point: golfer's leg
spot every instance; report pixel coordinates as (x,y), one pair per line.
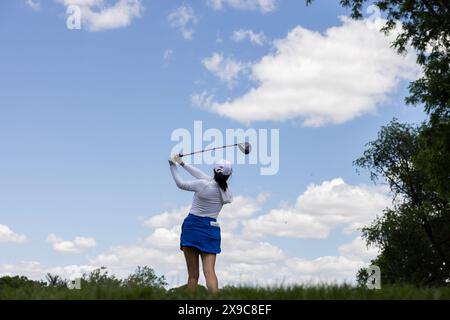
(191,256)
(209,262)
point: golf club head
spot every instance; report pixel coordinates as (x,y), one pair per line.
(245,147)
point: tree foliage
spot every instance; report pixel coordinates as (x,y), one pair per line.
(145,277)
(14,282)
(55,280)
(414,235)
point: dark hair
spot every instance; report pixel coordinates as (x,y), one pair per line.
(221,180)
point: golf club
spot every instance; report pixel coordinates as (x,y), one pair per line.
(245,147)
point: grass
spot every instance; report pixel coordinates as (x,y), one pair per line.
(342,292)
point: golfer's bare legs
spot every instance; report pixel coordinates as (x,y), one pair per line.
(191,255)
(209,262)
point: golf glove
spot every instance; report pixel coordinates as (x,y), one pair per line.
(176,158)
(171,162)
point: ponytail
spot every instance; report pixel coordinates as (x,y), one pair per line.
(221,180)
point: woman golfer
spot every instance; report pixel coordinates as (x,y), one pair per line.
(200,232)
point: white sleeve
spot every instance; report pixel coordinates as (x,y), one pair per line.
(194,185)
(196,173)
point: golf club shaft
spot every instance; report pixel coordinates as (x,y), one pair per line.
(211,149)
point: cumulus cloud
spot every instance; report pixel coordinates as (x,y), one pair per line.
(327,269)
(122,260)
(77,245)
(183,19)
(332,77)
(226,69)
(358,250)
(240,209)
(263,6)
(8,235)
(321,208)
(37,271)
(242,262)
(34,5)
(167,219)
(245,259)
(237,249)
(163,238)
(243,34)
(97,15)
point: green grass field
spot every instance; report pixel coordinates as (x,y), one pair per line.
(145,284)
(321,292)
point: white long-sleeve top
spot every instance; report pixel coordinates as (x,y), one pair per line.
(208,198)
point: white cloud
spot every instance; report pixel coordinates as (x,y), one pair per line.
(245,260)
(183,19)
(321,208)
(8,235)
(256,38)
(241,262)
(327,269)
(77,245)
(261,5)
(167,219)
(163,238)
(240,209)
(34,5)
(97,15)
(83,242)
(358,250)
(37,271)
(237,249)
(226,69)
(122,260)
(323,78)
(286,223)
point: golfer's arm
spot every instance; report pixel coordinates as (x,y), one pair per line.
(186,185)
(196,173)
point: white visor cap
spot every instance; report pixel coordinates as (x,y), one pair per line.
(223,166)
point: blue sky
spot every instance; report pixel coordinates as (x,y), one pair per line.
(86,118)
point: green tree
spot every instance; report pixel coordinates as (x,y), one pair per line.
(100,277)
(414,235)
(145,277)
(54,280)
(433,156)
(415,161)
(17,282)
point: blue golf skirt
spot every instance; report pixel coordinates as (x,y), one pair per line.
(202,233)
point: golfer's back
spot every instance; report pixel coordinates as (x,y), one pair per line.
(208,197)
(208,201)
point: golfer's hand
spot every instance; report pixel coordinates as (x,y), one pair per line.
(176,158)
(171,162)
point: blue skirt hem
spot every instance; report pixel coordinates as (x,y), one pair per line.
(200,233)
